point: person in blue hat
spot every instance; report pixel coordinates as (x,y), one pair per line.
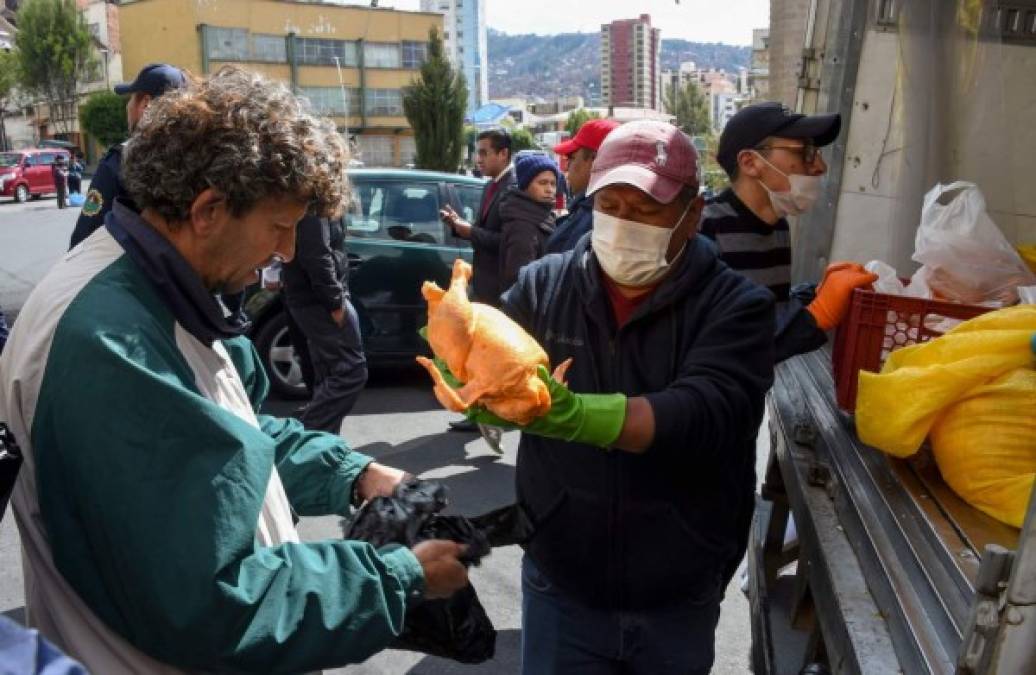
(152,81)
(527,215)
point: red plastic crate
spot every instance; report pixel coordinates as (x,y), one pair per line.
(879,324)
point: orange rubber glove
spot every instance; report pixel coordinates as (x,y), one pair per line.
(836,290)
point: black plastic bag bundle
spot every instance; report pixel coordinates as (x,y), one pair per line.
(455,628)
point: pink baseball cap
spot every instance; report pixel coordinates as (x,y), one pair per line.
(654,157)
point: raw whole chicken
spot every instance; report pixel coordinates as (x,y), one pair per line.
(494,358)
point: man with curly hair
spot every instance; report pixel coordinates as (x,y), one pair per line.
(155,502)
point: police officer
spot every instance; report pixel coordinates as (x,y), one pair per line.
(153,80)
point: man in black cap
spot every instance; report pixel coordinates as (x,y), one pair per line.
(773,159)
(152,81)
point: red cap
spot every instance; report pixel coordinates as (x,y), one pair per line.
(589,136)
(654,157)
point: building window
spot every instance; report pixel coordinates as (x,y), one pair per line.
(228,44)
(322,52)
(407,150)
(414,54)
(269,48)
(381,55)
(330,101)
(385,102)
(375,150)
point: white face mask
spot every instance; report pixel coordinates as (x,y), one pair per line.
(804,193)
(632,253)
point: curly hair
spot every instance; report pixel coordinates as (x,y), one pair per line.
(240,134)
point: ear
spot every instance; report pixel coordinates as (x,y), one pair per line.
(208,212)
(749,164)
(694,216)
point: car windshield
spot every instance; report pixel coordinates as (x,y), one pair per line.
(8,159)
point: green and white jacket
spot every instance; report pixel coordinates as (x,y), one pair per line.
(155,502)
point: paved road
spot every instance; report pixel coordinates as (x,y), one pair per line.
(33,236)
(396,420)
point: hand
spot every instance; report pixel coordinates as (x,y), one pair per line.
(593,419)
(460,227)
(448,215)
(338,316)
(835,291)
(378,480)
(444,573)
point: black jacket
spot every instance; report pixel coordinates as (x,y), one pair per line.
(797,331)
(105,188)
(626,531)
(571,228)
(525,225)
(485,244)
(317,273)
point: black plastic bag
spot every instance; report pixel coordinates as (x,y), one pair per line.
(505,526)
(455,628)
(10,464)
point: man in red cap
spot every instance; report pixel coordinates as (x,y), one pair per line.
(580,151)
(635,479)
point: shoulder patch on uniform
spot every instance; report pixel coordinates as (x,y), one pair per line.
(94,203)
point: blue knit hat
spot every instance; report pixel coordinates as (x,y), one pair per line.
(528,167)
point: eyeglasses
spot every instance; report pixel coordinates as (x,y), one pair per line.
(808,152)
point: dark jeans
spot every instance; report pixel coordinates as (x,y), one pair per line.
(62,190)
(339,367)
(562,636)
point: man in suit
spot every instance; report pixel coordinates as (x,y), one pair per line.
(494,161)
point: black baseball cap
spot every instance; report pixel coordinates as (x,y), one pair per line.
(753,124)
(154,79)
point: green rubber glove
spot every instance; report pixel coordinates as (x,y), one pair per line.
(593,419)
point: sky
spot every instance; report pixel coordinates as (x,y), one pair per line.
(728,21)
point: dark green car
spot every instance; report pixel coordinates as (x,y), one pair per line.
(395,242)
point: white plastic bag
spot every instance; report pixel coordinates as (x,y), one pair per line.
(888,279)
(964,255)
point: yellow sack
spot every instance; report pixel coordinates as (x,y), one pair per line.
(973,391)
(1028,253)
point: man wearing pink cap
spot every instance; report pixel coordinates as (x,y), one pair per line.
(580,151)
(636,479)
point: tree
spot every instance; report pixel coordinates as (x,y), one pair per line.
(8,80)
(691,108)
(578,118)
(103,116)
(434,105)
(522,139)
(55,54)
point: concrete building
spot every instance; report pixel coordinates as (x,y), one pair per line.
(466,43)
(631,64)
(351,62)
(723,106)
(759,72)
(788,21)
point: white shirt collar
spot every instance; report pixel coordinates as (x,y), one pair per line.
(503,173)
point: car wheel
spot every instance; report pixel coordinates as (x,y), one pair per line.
(273,342)
(21,194)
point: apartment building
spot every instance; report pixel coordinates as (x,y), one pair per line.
(351,62)
(631,53)
(465,39)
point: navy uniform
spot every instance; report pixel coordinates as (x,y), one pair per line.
(106,186)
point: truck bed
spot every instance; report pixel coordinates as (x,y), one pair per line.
(888,555)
